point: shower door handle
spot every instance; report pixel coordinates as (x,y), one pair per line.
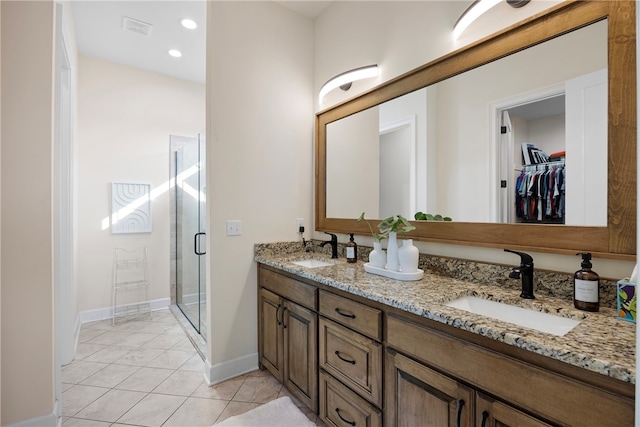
(196,240)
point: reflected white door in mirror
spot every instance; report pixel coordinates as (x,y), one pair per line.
(539,134)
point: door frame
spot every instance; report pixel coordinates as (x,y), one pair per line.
(498,170)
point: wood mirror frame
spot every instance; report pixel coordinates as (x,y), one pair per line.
(618,239)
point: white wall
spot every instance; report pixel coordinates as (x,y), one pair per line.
(125,117)
(27,88)
(353,150)
(399,36)
(260,171)
(548,133)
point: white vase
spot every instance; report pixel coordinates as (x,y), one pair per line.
(377,257)
(392,252)
(408,257)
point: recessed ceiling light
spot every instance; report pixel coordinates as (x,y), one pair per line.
(189,24)
(175,53)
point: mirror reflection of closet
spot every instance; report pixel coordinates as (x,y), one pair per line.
(553,155)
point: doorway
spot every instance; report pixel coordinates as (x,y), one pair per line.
(188,203)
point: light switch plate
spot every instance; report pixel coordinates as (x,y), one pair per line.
(234,227)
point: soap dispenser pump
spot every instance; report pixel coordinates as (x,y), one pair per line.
(352,250)
(586,286)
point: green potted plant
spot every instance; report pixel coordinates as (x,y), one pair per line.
(421,216)
(379,237)
(399,224)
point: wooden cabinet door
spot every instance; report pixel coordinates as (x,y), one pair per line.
(300,327)
(270,337)
(493,413)
(419,396)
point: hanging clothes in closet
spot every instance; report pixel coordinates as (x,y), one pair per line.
(540,193)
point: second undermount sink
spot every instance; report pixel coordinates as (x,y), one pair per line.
(312,263)
(543,322)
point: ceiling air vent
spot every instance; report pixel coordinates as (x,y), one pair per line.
(136,26)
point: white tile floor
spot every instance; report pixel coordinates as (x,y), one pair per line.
(146,372)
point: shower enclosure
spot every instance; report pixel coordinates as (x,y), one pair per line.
(188,232)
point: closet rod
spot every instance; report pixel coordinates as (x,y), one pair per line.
(535,166)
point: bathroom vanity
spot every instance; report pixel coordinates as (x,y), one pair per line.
(364,350)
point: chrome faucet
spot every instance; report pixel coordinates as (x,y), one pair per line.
(334,244)
(526,271)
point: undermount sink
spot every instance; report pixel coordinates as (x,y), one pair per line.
(543,322)
(312,263)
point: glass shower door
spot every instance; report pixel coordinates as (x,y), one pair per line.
(190,206)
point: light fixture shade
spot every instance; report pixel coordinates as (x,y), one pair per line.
(474,11)
(348,77)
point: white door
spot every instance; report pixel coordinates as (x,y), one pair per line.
(397,163)
(586,147)
(506,186)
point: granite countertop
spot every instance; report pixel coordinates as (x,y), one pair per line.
(601,342)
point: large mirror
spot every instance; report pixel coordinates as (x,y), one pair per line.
(431,140)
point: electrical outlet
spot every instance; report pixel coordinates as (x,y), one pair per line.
(234,227)
(299,223)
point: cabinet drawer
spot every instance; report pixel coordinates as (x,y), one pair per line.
(354,315)
(341,407)
(291,289)
(353,359)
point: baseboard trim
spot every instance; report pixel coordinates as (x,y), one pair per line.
(50,420)
(76,333)
(219,372)
(107,312)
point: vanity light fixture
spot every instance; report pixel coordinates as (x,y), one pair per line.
(175,53)
(478,8)
(473,12)
(188,23)
(344,80)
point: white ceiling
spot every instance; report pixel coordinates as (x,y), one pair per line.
(310,9)
(99,33)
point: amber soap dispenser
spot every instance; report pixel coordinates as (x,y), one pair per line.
(351,249)
(586,286)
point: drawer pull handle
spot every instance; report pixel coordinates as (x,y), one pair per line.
(485,415)
(460,406)
(353,362)
(277,311)
(284,325)
(351,316)
(353,423)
